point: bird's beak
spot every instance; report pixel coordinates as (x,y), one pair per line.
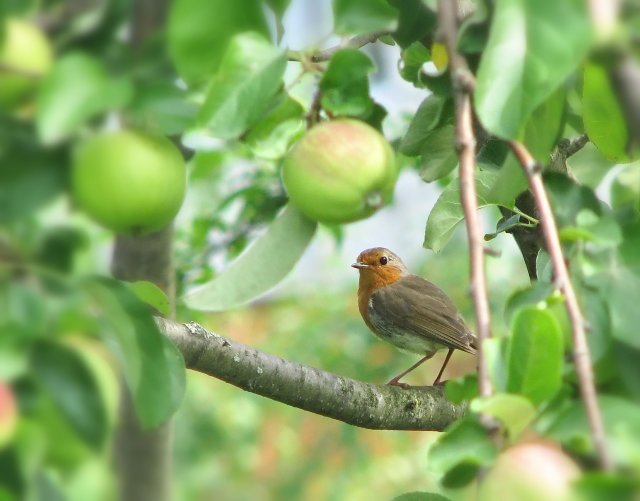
(359,265)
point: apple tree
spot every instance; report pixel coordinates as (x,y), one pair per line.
(118,116)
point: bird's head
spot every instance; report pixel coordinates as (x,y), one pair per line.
(379,267)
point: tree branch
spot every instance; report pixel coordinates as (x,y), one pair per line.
(581,355)
(462,80)
(565,149)
(324,55)
(378,407)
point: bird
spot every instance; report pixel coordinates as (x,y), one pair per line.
(408,311)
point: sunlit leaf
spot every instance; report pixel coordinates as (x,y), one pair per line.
(272,136)
(533,46)
(447,212)
(514,411)
(265,263)
(602,116)
(199,32)
(248,77)
(77,89)
(151,294)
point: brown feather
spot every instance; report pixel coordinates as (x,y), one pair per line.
(412,305)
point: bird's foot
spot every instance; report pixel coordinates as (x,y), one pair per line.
(395,382)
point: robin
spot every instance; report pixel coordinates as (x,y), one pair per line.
(407,311)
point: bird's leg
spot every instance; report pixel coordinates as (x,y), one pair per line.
(446,361)
(396,380)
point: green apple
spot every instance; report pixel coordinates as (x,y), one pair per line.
(25,56)
(340,171)
(129,181)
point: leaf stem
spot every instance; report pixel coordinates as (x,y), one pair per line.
(524,215)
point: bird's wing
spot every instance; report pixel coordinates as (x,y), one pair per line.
(416,305)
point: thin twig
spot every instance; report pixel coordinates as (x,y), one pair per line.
(324,55)
(565,149)
(581,355)
(462,81)
(366,405)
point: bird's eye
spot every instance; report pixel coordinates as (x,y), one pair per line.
(383,260)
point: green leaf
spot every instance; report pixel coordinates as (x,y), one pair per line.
(162,107)
(515,412)
(509,183)
(625,188)
(535,355)
(504,224)
(272,136)
(495,349)
(621,423)
(543,127)
(569,198)
(623,297)
(261,267)
(465,443)
(413,58)
(363,16)
(536,293)
(73,388)
(345,84)
(152,365)
(589,166)
(447,211)
(77,89)
(151,294)
(415,21)
(601,113)
(199,32)
(249,75)
(29,179)
(533,46)
(625,360)
(593,228)
(461,389)
(540,136)
(439,156)
(425,120)
(600,486)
